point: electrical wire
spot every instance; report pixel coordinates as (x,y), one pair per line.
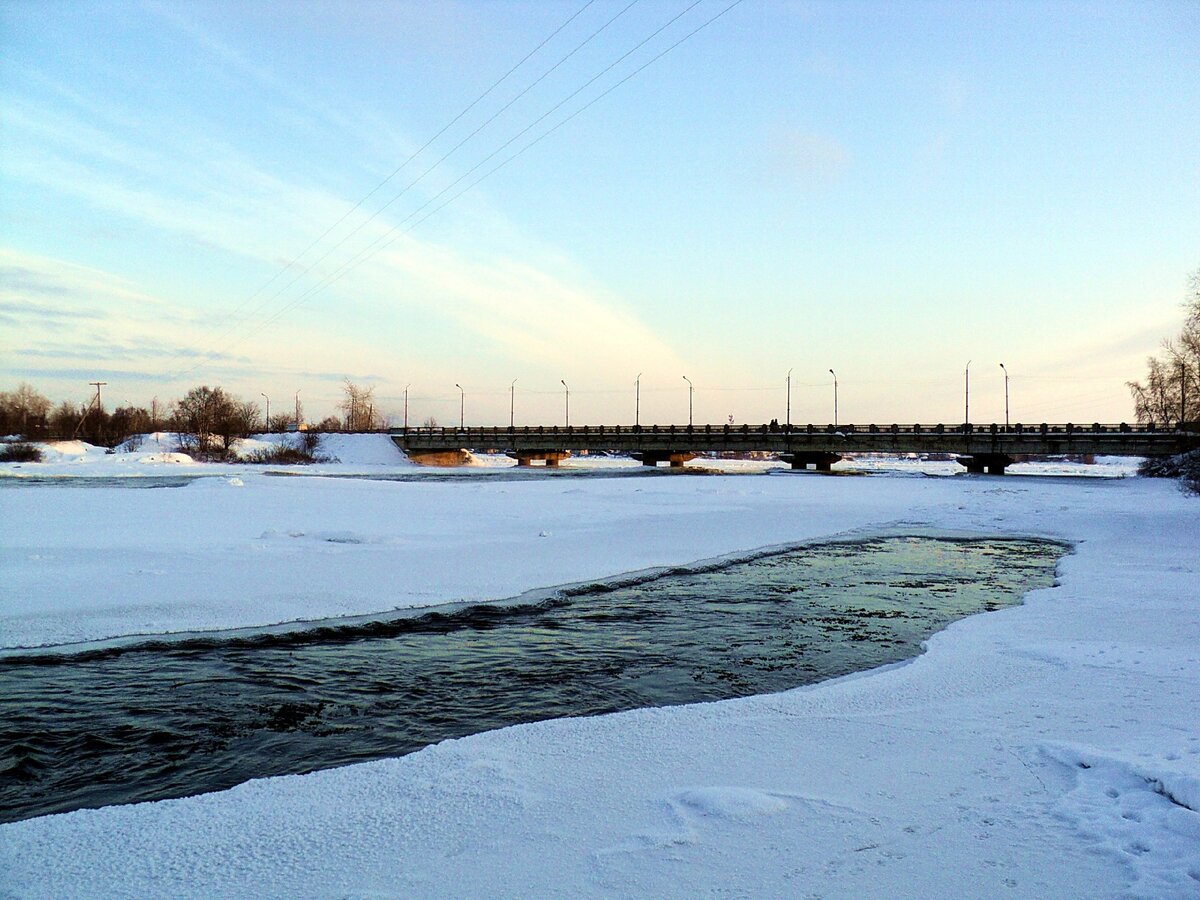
(397,231)
(495,84)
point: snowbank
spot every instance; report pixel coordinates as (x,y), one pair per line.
(377,453)
(1047,750)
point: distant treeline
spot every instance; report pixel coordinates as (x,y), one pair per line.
(208,419)
(1171,389)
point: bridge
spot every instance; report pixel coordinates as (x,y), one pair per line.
(980,448)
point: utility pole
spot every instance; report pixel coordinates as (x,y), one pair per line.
(567,416)
(406,387)
(637,402)
(462,405)
(297,410)
(691,390)
(512,403)
(268,399)
(94,404)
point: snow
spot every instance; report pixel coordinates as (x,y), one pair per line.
(1045,750)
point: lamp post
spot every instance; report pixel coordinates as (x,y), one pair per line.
(298,411)
(512,402)
(835,409)
(967,394)
(691,391)
(1005,396)
(406,387)
(637,401)
(268,399)
(462,404)
(789,400)
(567,400)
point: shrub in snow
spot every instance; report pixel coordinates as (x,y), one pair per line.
(300,452)
(1185,466)
(20,452)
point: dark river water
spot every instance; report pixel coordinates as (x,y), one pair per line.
(174,719)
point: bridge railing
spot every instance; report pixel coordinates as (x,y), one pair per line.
(1043,428)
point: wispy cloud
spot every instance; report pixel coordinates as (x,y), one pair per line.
(805,159)
(193,188)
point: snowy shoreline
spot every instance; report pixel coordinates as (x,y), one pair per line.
(1046,750)
(532,597)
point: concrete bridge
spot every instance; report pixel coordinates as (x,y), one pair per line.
(979,448)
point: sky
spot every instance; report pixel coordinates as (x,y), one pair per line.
(279,197)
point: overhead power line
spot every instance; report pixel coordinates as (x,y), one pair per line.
(397,231)
(470,106)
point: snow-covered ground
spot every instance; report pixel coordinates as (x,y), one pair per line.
(1047,750)
(159,453)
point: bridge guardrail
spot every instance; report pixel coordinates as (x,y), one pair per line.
(786,430)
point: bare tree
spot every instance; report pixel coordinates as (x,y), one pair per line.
(23,410)
(207,415)
(64,420)
(358,407)
(1171,390)
(281,422)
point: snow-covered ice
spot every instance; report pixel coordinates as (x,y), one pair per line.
(1046,750)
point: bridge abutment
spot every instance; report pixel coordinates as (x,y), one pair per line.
(439,457)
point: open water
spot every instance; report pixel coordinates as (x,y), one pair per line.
(175,719)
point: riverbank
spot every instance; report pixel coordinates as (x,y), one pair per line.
(1045,750)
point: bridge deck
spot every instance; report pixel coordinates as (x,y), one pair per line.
(1013,440)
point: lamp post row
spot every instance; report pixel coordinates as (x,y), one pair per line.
(637,409)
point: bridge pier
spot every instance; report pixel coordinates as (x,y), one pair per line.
(992,463)
(654,457)
(526,458)
(820,460)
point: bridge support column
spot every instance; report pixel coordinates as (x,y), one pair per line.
(551,458)
(992,463)
(654,457)
(820,460)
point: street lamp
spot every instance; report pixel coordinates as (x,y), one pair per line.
(406,387)
(637,401)
(512,402)
(967,395)
(835,409)
(1005,395)
(789,400)
(567,414)
(297,410)
(462,404)
(268,399)
(691,391)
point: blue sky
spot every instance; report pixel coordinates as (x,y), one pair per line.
(890,190)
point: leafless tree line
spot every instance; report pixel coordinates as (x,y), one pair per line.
(207,419)
(1171,389)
